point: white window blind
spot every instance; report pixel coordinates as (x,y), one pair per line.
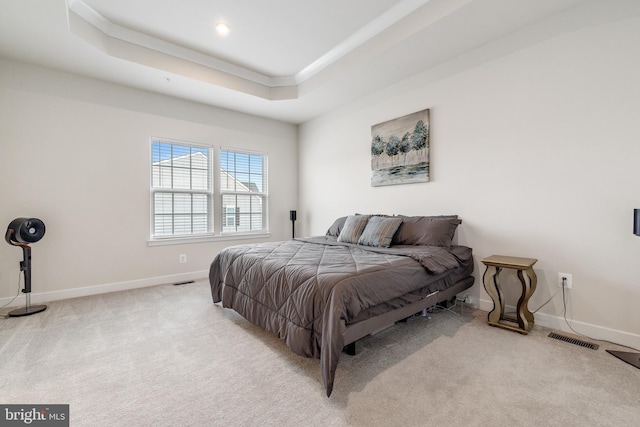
(243,191)
(184,199)
(181,189)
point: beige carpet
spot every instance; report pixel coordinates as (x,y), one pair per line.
(166,356)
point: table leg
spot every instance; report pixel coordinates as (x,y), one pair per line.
(525,317)
(492,287)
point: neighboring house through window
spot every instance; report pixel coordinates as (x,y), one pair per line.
(243,187)
(185,194)
(181,189)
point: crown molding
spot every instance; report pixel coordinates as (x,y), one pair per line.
(135,46)
(131,45)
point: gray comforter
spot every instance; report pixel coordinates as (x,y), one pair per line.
(307,290)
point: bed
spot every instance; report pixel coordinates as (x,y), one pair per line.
(321,294)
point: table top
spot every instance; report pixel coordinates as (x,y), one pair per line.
(509,261)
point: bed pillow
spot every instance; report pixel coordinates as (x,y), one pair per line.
(353,227)
(336,227)
(379,231)
(427,230)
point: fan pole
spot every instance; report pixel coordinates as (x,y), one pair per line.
(25,267)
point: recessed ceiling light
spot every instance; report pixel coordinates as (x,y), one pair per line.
(223,28)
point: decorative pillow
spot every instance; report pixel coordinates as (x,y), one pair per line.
(427,230)
(336,227)
(353,227)
(379,231)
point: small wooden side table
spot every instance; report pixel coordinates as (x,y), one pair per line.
(524,318)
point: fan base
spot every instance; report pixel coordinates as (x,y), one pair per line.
(631,358)
(27,311)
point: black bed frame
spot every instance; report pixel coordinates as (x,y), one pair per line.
(355,331)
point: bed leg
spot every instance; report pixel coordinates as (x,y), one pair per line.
(350,349)
(448,303)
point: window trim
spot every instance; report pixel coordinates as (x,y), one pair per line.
(264,194)
(208,238)
(208,192)
(214,194)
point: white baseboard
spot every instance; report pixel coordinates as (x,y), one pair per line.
(43,297)
(587,329)
(554,322)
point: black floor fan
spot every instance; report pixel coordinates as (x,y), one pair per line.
(21,232)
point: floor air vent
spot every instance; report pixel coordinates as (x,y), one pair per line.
(574,341)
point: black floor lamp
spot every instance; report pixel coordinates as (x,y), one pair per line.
(628,356)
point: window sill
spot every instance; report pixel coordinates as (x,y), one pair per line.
(207,238)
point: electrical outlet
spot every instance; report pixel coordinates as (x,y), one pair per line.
(567,279)
(183,258)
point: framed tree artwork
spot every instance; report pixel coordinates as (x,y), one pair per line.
(400,150)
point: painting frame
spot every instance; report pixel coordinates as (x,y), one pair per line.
(400,150)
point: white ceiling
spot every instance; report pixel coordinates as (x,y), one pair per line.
(275,37)
(289,60)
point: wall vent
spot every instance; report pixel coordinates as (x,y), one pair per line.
(574,341)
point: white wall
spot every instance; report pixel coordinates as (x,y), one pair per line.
(535,147)
(75,153)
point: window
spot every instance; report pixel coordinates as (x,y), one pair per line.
(181,189)
(243,191)
(229,216)
(185,194)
